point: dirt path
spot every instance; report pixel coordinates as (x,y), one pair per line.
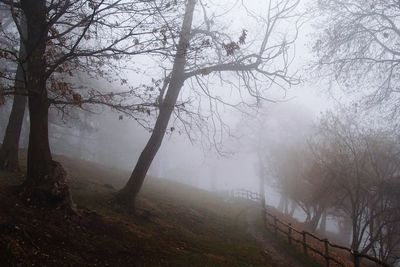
(280,257)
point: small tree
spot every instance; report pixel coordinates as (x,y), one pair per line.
(278,135)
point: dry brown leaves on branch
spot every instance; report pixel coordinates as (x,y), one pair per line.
(232,47)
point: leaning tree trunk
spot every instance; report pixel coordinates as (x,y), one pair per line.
(45,179)
(10,146)
(128,194)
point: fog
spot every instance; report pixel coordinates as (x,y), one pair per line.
(115,140)
(266,96)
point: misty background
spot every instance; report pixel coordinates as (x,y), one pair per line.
(114,140)
(316,126)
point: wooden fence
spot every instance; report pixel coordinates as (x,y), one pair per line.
(245,194)
(332,255)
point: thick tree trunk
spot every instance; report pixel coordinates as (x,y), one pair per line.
(9,149)
(45,179)
(128,194)
(39,155)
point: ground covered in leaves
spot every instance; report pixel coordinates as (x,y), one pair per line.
(176,225)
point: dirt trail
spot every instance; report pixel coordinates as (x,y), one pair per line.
(279,256)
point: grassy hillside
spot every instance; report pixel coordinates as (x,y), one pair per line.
(177,226)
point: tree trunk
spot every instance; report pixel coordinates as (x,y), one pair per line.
(45,178)
(293,206)
(261,180)
(322,227)
(129,193)
(315,219)
(345,230)
(282,203)
(10,146)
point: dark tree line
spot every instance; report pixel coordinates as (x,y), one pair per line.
(56,40)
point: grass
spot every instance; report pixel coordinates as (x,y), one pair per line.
(292,251)
(178,226)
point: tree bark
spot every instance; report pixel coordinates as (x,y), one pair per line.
(9,149)
(45,179)
(128,194)
(10,146)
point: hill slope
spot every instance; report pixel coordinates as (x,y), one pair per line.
(177,226)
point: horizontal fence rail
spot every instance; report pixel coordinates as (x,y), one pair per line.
(245,194)
(332,255)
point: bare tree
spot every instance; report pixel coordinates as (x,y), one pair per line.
(65,37)
(303,180)
(9,149)
(203,54)
(279,133)
(358,47)
(361,162)
(345,169)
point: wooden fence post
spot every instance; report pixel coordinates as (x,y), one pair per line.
(304,242)
(326,242)
(268,217)
(356,259)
